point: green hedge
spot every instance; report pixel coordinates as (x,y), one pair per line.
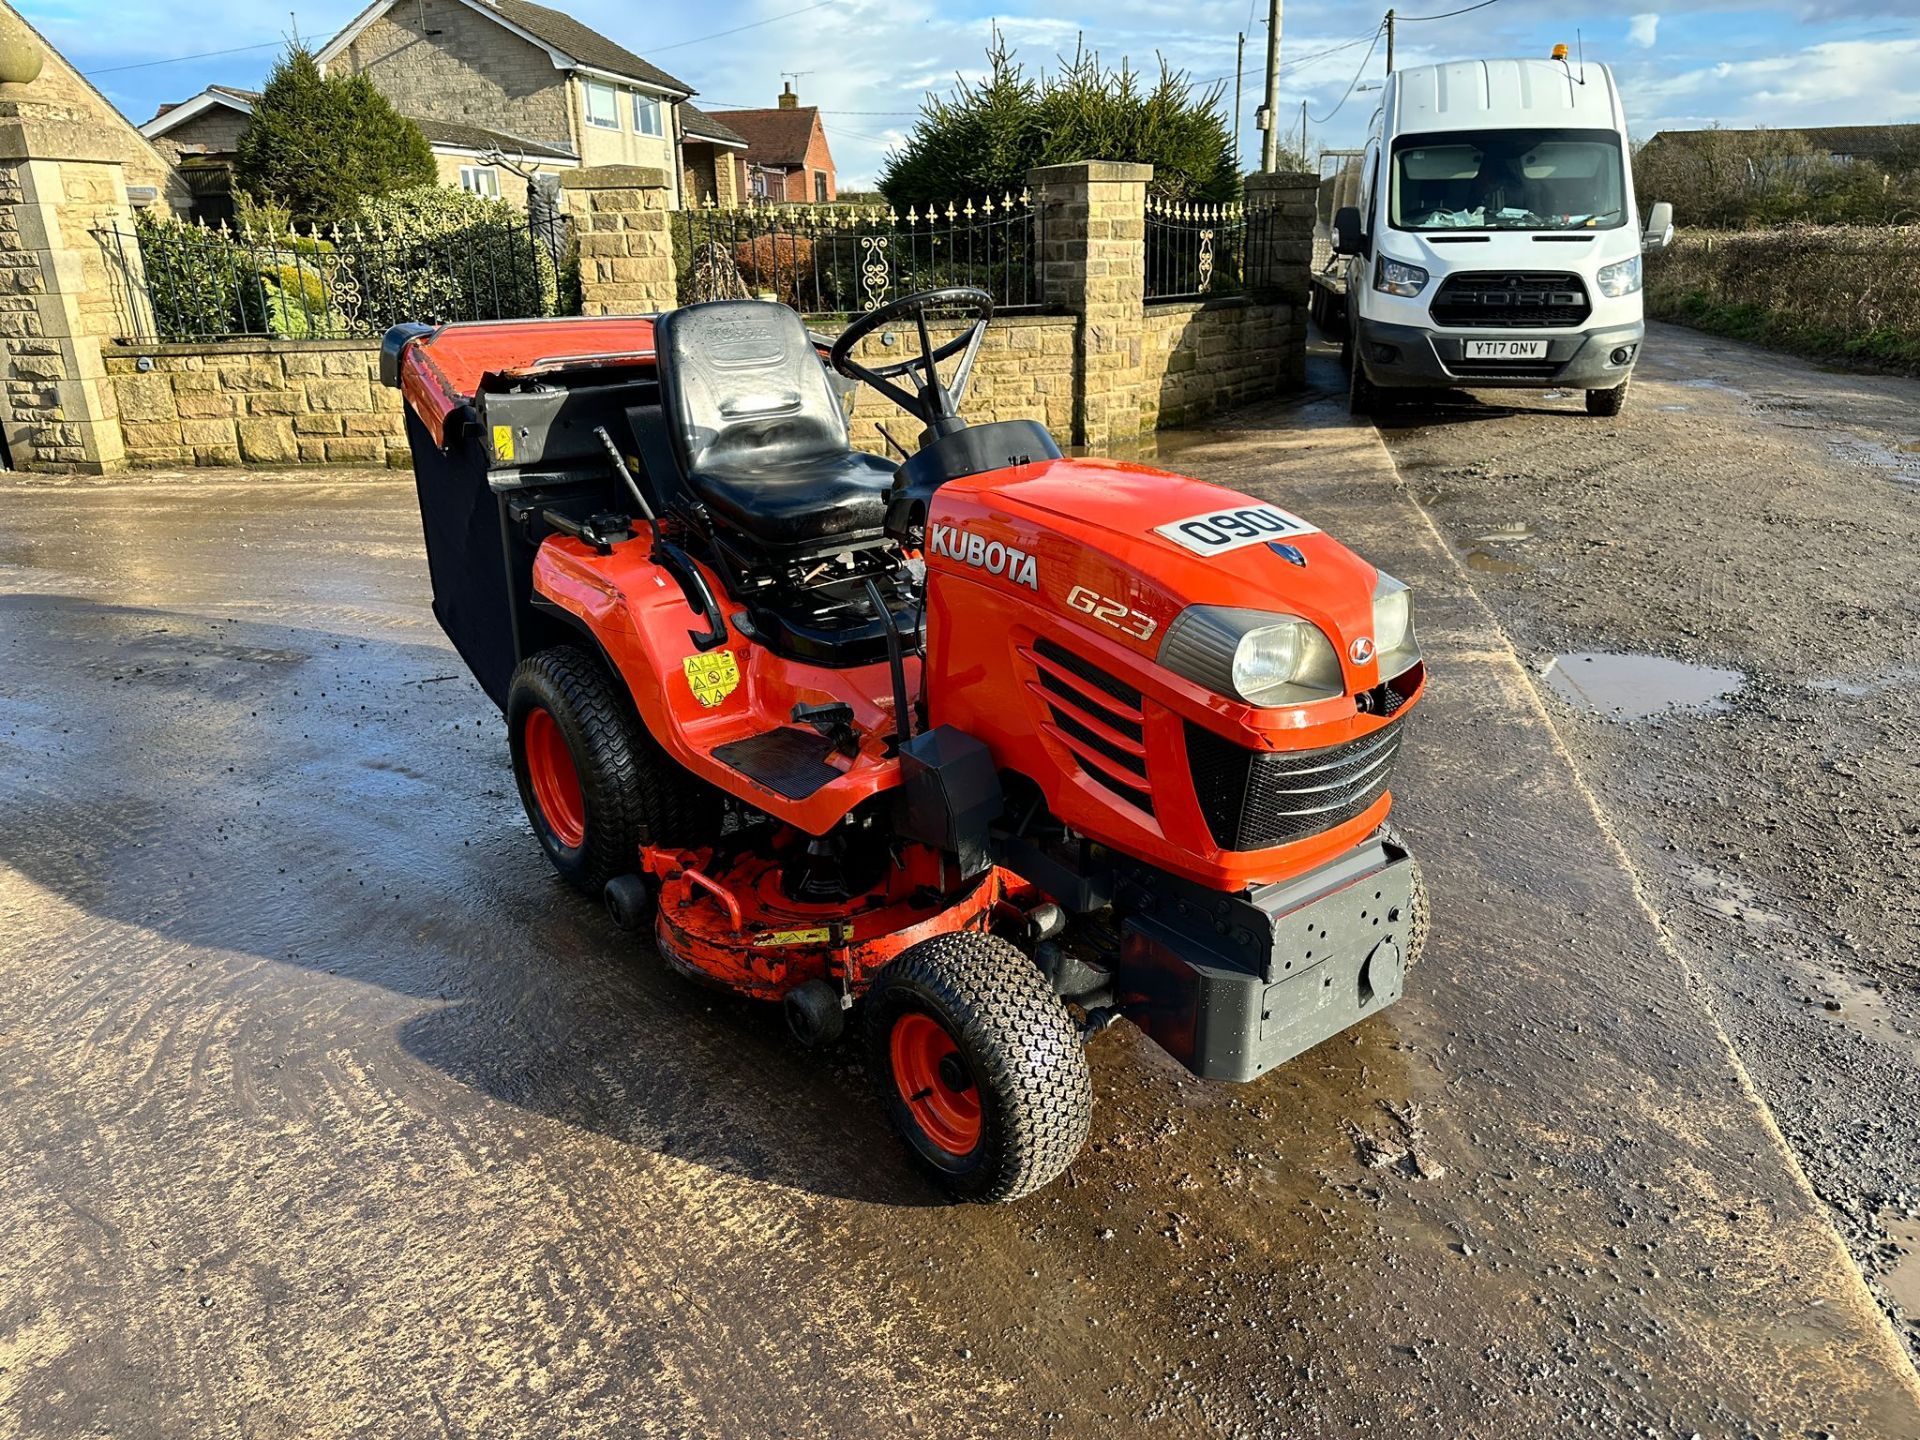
(1849,293)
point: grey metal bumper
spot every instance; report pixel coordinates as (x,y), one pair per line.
(1232,985)
(1407,355)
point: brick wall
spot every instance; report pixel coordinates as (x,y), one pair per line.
(262,402)
(471,70)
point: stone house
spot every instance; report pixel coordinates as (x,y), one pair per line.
(787,158)
(519,70)
(502,89)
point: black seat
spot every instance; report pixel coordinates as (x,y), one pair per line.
(761,436)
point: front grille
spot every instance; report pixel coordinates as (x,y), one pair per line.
(1082,698)
(1253,799)
(1511,300)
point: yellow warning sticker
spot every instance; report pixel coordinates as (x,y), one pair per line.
(712,677)
(503,442)
(819,936)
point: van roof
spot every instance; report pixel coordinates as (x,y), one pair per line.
(1492,94)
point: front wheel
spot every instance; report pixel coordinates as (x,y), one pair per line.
(1607,402)
(1363,396)
(981,1069)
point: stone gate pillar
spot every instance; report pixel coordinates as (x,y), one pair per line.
(1279,210)
(1094,238)
(59,183)
(622,220)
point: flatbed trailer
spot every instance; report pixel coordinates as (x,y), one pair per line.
(1327,294)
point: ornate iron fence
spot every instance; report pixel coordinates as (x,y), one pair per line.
(174,281)
(838,259)
(1197,251)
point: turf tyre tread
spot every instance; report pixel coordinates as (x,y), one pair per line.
(1420,914)
(1027,1055)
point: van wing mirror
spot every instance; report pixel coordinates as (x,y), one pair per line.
(1659,232)
(1347,236)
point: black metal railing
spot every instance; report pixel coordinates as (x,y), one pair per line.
(841,260)
(174,281)
(1198,251)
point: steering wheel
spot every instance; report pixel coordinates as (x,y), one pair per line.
(930,401)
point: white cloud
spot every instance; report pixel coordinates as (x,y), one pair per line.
(1827,84)
(1643,30)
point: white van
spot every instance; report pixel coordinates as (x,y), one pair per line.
(1495,241)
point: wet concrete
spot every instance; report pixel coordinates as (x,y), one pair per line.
(330,1112)
(1742,514)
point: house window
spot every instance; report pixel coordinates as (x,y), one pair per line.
(603,106)
(646,115)
(820,187)
(480,180)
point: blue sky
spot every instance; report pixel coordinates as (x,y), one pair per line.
(867,62)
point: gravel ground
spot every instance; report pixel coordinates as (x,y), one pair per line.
(1760,515)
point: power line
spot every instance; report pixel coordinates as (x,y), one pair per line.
(177,59)
(754,25)
(1446,15)
(1323,119)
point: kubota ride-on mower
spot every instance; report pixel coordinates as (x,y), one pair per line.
(993,746)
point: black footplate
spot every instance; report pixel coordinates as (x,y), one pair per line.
(789,761)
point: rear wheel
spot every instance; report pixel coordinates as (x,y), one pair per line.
(979,1065)
(1607,402)
(594,783)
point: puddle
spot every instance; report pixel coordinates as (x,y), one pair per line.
(1509,534)
(1673,407)
(1866,1010)
(1901,1279)
(1488,564)
(1632,687)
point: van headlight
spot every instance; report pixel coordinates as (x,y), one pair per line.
(1619,279)
(1264,659)
(1396,277)
(1394,643)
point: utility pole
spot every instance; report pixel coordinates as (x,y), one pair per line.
(1270,136)
(1239,72)
(1389,42)
(1303,130)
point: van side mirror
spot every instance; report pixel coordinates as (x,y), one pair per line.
(1348,237)
(1659,231)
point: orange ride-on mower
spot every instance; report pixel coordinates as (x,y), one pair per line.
(988,748)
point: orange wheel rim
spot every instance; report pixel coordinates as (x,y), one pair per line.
(935,1083)
(556,784)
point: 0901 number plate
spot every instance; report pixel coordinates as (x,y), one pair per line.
(1219,531)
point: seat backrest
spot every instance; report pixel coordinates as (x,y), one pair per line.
(743,386)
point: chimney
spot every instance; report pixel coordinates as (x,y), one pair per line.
(788,100)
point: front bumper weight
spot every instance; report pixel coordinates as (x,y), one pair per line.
(1232,985)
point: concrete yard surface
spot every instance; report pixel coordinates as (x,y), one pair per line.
(330,1111)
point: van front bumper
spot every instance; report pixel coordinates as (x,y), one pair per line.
(1407,356)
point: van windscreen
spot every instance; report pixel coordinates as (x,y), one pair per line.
(1507,180)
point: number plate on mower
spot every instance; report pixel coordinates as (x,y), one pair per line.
(1219,531)
(1506,349)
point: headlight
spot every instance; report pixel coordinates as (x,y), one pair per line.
(1394,642)
(1264,659)
(1396,277)
(1619,279)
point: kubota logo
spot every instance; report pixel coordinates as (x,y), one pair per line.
(1361,650)
(988,555)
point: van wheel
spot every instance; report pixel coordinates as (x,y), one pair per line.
(595,785)
(1363,396)
(1608,402)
